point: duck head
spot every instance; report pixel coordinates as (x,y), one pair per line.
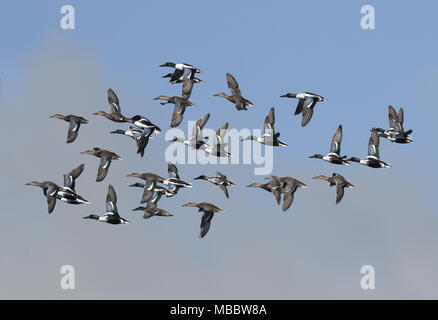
(92,216)
(90,152)
(119,131)
(139,209)
(190,204)
(201,177)
(101,113)
(134,175)
(289,95)
(168,64)
(57,116)
(35,183)
(221,94)
(317,156)
(249,138)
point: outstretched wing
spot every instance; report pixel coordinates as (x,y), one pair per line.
(339,192)
(69,178)
(178,113)
(224,189)
(400,119)
(220,134)
(102,171)
(373,144)
(307,116)
(392,116)
(288,198)
(205,223)
(111,201)
(187,88)
(336,141)
(233,85)
(73,131)
(113,101)
(268,124)
(172,170)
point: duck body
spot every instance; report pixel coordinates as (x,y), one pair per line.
(269,137)
(373,158)
(115,114)
(396,132)
(335,149)
(66,193)
(306,104)
(339,181)
(208,210)
(112,214)
(181,70)
(75,124)
(180,107)
(219,180)
(236,95)
(106,158)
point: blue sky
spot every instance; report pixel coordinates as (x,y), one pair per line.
(314,250)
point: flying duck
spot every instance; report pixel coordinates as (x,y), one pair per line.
(112,214)
(236,96)
(181,69)
(75,124)
(339,181)
(306,103)
(219,180)
(288,186)
(197,140)
(66,193)
(151,210)
(269,137)
(151,180)
(179,109)
(218,148)
(105,161)
(141,137)
(335,150)
(273,186)
(373,158)
(115,114)
(396,132)
(208,210)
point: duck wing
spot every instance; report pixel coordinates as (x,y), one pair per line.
(336,141)
(178,73)
(205,223)
(339,192)
(373,144)
(69,178)
(288,198)
(148,191)
(111,202)
(172,170)
(178,113)
(392,116)
(225,190)
(233,85)
(141,141)
(268,124)
(307,115)
(187,88)
(51,202)
(113,101)
(102,171)
(73,130)
(400,120)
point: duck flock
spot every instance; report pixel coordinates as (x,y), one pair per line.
(154,186)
